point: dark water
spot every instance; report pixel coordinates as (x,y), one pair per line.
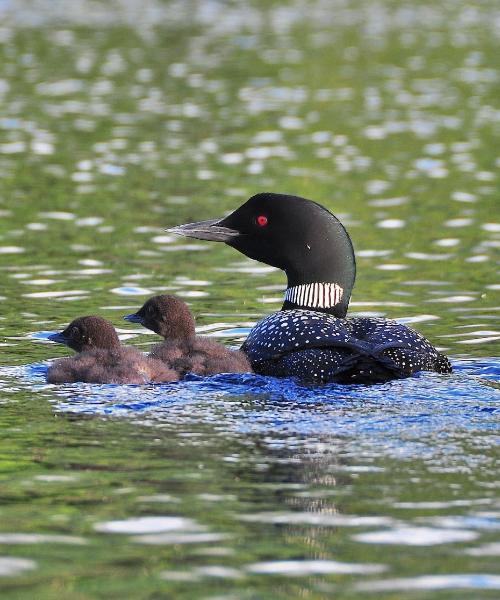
(120,119)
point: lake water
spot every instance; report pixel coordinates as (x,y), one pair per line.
(121,119)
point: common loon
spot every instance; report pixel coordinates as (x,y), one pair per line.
(101,358)
(183,350)
(310,337)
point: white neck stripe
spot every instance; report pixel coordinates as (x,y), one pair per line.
(315,295)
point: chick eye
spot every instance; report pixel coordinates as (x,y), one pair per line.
(75,332)
(261,220)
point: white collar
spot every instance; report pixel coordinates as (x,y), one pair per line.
(315,295)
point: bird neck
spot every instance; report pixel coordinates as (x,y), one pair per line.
(319,296)
(322,274)
(104,345)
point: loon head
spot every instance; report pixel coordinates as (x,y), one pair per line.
(86,333)
(166,315)
(296,235)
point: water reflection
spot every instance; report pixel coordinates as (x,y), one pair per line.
(11,566)
(118,124)
(297,453)
(477,582)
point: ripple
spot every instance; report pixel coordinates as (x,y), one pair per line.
(319,519)
(391,224)
(436,505)
(56,478)
(132,291)
(417,319)
(57,215)
(37,226)
(459,222)
(447,242)
(392,267)
(82,177)
(159,539)
(476,581)
(433,167)
(219,571)
(160,498)
(291,123)
(428,256)
(492,549)
(373,253)
(164,239)
(146,525)
(10,566)
(11,250)
(63,87)
(89,221)
(268,137)
(463,197)
(416,536)
(12,148)
(40,281)
(187,576)
(109,169)
(493,227)
(183,280)
(301,568)
(479,340)
(388,202)
(232,158)
(41,538)
(192,294)
(389,303)
(183,248)
(64,295)
(458,299)
(253,268)
(81,273)
(474,521)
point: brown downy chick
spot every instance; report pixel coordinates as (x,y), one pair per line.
(101,358)
(183,350)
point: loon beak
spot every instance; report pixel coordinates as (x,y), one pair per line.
(206,230)
(134,318)
(60,338)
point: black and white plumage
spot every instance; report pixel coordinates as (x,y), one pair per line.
(311,337)
(317,347)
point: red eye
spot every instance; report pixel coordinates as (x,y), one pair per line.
(261,220)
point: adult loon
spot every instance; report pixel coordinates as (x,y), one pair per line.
(310,337)
(183,350)
(101,358)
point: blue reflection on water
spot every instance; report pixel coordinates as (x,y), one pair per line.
(422,414)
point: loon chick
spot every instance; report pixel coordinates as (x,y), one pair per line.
(101,358)
(183,350)
(311,337)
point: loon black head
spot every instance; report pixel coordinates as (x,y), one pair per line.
(87,333)
(296,235)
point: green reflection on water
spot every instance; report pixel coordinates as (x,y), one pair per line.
(385,113)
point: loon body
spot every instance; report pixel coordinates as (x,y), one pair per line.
(311,337)
(319,347)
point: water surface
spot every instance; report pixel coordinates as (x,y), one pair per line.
(122,119)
